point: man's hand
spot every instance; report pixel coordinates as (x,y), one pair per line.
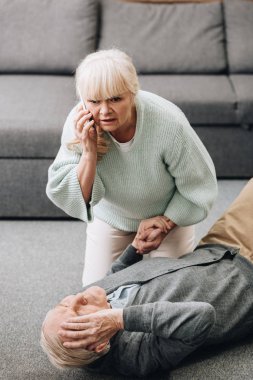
(151,233)
(91,330)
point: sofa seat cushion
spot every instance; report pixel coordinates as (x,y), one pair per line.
(230,148)
(155,36)
(243,85)
(23,185)
(46,36)
(205,99)
(239,32)
(33,110)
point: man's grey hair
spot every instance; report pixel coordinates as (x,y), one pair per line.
(63,357)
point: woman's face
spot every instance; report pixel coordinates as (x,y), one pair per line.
(113,114)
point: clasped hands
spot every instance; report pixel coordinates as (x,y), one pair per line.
(151,233)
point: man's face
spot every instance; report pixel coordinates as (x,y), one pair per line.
(91,300)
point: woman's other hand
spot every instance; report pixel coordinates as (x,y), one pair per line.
(151,240)
(151,233)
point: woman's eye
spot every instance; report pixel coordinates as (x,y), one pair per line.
(94,101)
(115,99)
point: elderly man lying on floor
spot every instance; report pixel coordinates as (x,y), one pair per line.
(147,315)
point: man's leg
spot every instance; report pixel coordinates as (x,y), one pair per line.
(235,226)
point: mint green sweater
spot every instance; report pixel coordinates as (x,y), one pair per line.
(167,171)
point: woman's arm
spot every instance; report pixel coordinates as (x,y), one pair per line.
(67,174)
(193,171)
(86,133)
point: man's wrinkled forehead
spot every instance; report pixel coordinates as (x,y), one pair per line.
(54,317)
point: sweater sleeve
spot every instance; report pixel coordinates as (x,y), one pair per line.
(193,170)
(63,187)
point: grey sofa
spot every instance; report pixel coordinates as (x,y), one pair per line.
(199,56)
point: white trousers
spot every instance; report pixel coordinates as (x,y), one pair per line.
(105,243)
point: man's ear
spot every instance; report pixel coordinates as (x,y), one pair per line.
(100,347)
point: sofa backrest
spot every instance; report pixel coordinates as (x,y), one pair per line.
(166,38)
(163,36)
(169,1)
(46,36)
(239,35)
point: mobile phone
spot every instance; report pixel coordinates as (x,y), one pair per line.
(83,104)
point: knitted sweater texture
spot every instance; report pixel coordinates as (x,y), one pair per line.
(167,171)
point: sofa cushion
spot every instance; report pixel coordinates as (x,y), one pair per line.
(166,38)
(23,184)
(169,1)
(243,85)
(231,151)
(205,99)
(33,109)
(46,36)
(239,31)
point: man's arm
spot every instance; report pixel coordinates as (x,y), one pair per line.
(144,241)
(187,321)
(127,258)
(162,334)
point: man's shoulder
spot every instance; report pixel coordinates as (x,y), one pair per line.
(216,249)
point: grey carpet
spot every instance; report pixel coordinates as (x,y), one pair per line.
(41,262)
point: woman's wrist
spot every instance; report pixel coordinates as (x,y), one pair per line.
(86,171)
(89,157)
(170,223)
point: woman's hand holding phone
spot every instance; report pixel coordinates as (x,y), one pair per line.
(87,135)
(85,131)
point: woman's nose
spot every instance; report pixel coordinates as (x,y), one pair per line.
(104,109)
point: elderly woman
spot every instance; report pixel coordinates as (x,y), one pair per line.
(128,155)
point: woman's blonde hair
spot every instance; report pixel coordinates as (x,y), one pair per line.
(62,357)
(104,75)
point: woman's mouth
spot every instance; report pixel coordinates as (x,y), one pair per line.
(107,121)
